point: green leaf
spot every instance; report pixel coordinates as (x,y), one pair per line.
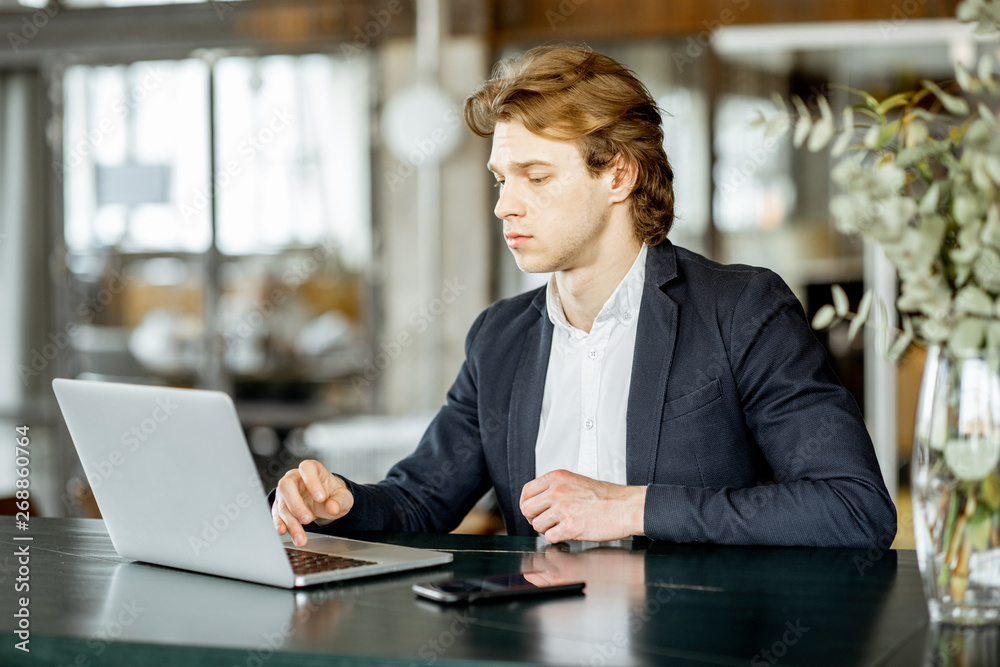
(993,167)
(887,133)
(918,152)
(840,301)
(928,116)
(869,100)
(804,123)
(757,121)
(897,100)
(967,335)
(824,317)
(979,528)
(993,336)
(985,72)
(898,347)
(916,132)
(856,325)
(933,331)
(823,130)
(929,203)
(919,96)
(866,304)
(953,104)
(822,133)
(991,230)
(980,175)
(842,143)
(777,125)
(865,111)
(965,79)
(871,136)
(987,115)
(949,529)
(847,118)
(859,320)
(989,491)
(971,300)
(881,328)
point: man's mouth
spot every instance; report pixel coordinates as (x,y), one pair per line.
(515,240)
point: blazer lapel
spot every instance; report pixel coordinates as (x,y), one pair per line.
(526,408)
(655,337)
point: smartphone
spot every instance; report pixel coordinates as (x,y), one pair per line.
(463,591)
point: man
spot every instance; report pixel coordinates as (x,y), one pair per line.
(646,390)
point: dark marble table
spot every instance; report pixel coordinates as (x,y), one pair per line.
(645,604)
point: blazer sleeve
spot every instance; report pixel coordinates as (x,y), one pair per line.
(433,488)
(827,487)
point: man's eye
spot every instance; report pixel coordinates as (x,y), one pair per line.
(539,180)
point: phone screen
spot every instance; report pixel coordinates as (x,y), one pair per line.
(503,586)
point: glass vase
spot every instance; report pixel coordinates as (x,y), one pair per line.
(956,485)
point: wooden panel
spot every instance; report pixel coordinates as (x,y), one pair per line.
(540,21)
(174,31)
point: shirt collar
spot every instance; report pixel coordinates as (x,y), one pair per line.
(622,306)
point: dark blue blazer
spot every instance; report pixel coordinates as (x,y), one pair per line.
(736,424)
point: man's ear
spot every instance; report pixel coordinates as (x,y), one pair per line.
(624,174)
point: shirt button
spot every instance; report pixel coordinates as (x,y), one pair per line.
(588,424)
(626,316)
(593,353)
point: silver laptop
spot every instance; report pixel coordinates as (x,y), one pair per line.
(177,486)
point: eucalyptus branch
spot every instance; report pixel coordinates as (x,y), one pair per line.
(830,315)
(920,177)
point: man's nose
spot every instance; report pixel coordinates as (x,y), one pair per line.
(509,204)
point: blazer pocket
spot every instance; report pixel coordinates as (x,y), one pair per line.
(690,402)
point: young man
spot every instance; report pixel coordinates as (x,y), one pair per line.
(646,390)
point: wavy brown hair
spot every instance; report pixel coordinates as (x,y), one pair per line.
(570,93)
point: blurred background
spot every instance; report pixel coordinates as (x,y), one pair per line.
(280,200)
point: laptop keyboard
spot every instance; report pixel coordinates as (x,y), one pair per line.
(310,562)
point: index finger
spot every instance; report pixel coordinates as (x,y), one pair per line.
(533,488)
(316,478)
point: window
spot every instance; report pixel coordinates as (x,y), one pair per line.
(287,207)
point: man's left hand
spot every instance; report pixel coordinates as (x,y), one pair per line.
(562,505)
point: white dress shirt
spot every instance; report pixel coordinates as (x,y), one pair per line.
(582,426)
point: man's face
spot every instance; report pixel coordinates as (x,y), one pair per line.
(554,213)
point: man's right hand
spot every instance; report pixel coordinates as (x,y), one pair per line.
(306,494)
